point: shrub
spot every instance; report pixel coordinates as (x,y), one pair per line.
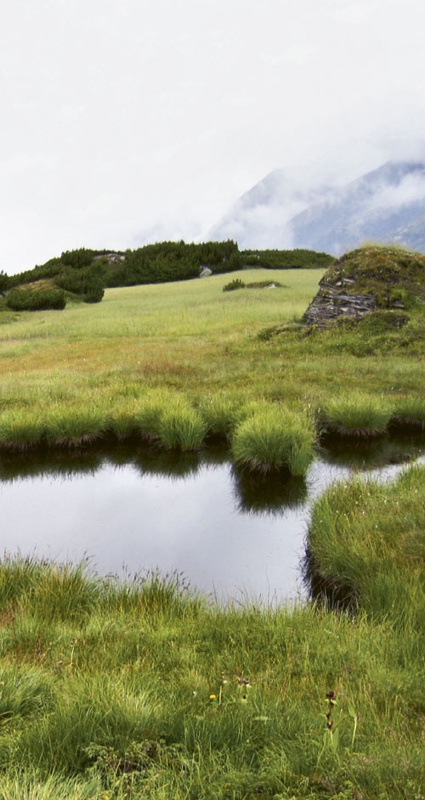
(94,292)
(86,282)
(236,284)
(36,300)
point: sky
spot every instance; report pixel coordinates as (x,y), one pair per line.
(130,121)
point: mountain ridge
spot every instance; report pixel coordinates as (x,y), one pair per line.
(386,204)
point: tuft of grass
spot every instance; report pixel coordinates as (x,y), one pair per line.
(409,412)
(20,429)
(274,438)
(74,424)
(221,413)
(181,427)
(149,412)
(357,414)
(30,785)
(56,591)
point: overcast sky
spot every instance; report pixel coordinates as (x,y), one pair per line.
(125,121)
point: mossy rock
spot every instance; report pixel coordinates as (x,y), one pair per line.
(368,282)
(386,272)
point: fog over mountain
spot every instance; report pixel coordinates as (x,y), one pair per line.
(260,217)
(285,211)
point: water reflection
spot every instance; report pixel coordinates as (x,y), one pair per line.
(399,448)
(269,494)
(231,535)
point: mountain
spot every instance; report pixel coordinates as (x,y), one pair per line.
(259,217)
(385,205)
(285,210)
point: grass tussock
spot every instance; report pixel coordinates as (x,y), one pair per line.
(274,438)
(357,414)
(221,413)
(409,412)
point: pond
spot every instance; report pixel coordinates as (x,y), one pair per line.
(132,511)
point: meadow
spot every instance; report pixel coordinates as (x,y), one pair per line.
(143,689)
(214,357)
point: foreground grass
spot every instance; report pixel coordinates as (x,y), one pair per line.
(145,690)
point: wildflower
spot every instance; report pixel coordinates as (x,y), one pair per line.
(213,697)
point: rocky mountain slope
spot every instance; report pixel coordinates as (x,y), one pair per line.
(385,205)
(382,206)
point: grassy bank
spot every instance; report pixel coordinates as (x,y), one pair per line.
(367,542)
(144,690)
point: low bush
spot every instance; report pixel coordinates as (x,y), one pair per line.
(233,285)
(36,300)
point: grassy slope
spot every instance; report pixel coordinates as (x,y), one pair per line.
(194,338)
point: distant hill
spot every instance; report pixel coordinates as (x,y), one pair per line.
(386,205)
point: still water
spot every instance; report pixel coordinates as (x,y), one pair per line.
(132,511)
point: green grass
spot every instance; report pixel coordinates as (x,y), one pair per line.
(274,438)
(145,689)
(367,544)
(357,414)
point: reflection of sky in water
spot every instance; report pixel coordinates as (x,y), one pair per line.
(120,517)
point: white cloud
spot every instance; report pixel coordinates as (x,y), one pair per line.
(120,119)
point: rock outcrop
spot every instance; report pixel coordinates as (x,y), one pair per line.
(331,304)
(364,281)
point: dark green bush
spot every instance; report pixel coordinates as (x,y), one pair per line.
(78,259)
(94,292)
(86,282)
(286,259)
(4,282)
(236,284)
(36,300)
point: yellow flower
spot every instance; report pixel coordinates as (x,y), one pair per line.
(213,697)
